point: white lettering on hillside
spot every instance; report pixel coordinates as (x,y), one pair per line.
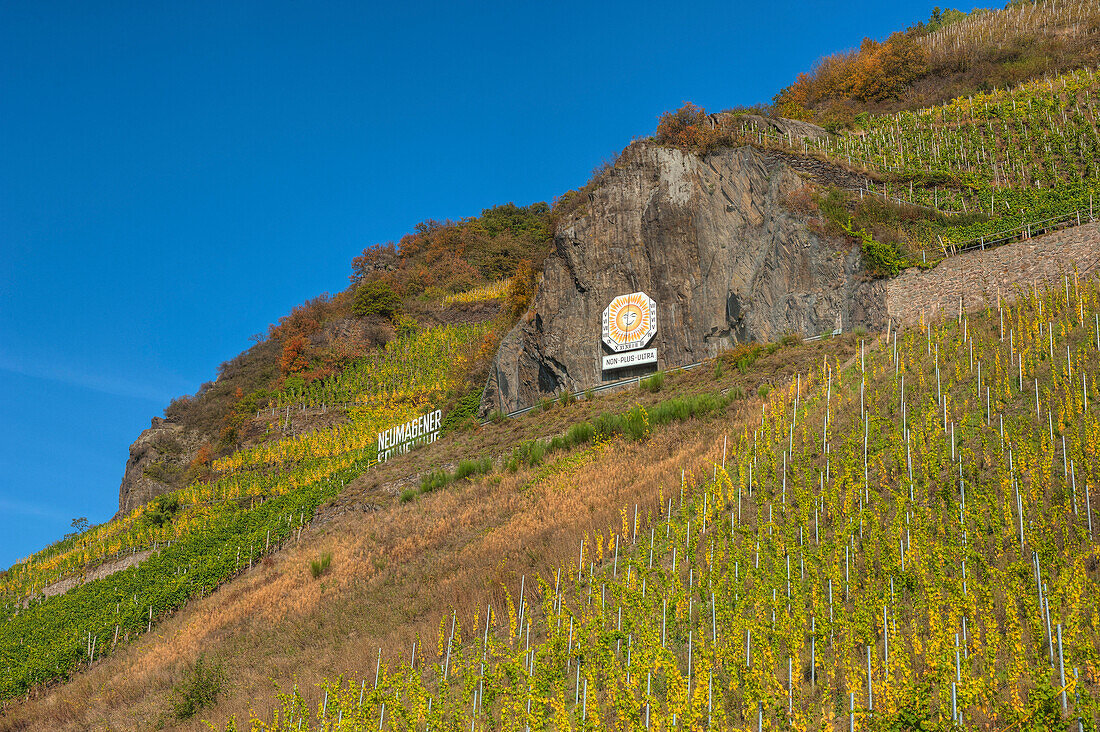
(401,438)
(630,358)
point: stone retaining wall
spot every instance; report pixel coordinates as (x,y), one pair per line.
(99,572)
(981,277)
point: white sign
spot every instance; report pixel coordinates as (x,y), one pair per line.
(629,322)
(631,358)
(398,440)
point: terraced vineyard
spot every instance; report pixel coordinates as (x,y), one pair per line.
(1040,133)
(907,540)
(417,363)
(410,375)
(205,533)
(995,161)
(1003,28)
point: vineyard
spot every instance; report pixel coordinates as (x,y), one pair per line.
(491,291)
(203,534)
(985,164)
(414,364)
(1042,133)
(1000,29)
(206,545)
(906,540)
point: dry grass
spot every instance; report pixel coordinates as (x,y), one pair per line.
(1004,28)
(396,572)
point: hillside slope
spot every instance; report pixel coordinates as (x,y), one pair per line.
(952,54)
(857,525)
(476,270)
(947,471)
(398,566)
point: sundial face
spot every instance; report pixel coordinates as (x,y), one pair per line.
(629,322)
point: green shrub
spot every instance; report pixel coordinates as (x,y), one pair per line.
(434,480)
(745,356)
(883,258)
(718,368)
(521,288)
(636,423)
(467,468)
(407,495)
(163,510)
(674,410)
(529,452)
(375,297)
(580,434)
(654,383)
(199,688)
(535,452)
(763,391)
(791,339)
(163,472)
(566,398)
(406,326)
(545,404)
(318,567)
(464,410)
(606,426)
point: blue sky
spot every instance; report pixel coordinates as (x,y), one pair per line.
(175,176)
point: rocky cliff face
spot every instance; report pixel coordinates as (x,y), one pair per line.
(709,239)
(158,457)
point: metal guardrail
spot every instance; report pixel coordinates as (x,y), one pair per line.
(580,395)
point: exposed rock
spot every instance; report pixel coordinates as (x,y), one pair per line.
(710,241)
(770,125)
(157,457)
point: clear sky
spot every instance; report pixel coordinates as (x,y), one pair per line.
(176,176)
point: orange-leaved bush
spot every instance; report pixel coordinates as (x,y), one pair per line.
(686,128)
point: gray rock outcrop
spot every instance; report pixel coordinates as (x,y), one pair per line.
(710,240)
(158,457)
(792,128)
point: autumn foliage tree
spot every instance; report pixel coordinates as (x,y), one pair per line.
(874,73)
(521,289)
(293,359)
(452,256)
(200,469)
(375,297)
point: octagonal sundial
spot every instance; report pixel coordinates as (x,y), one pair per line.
(629,322)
